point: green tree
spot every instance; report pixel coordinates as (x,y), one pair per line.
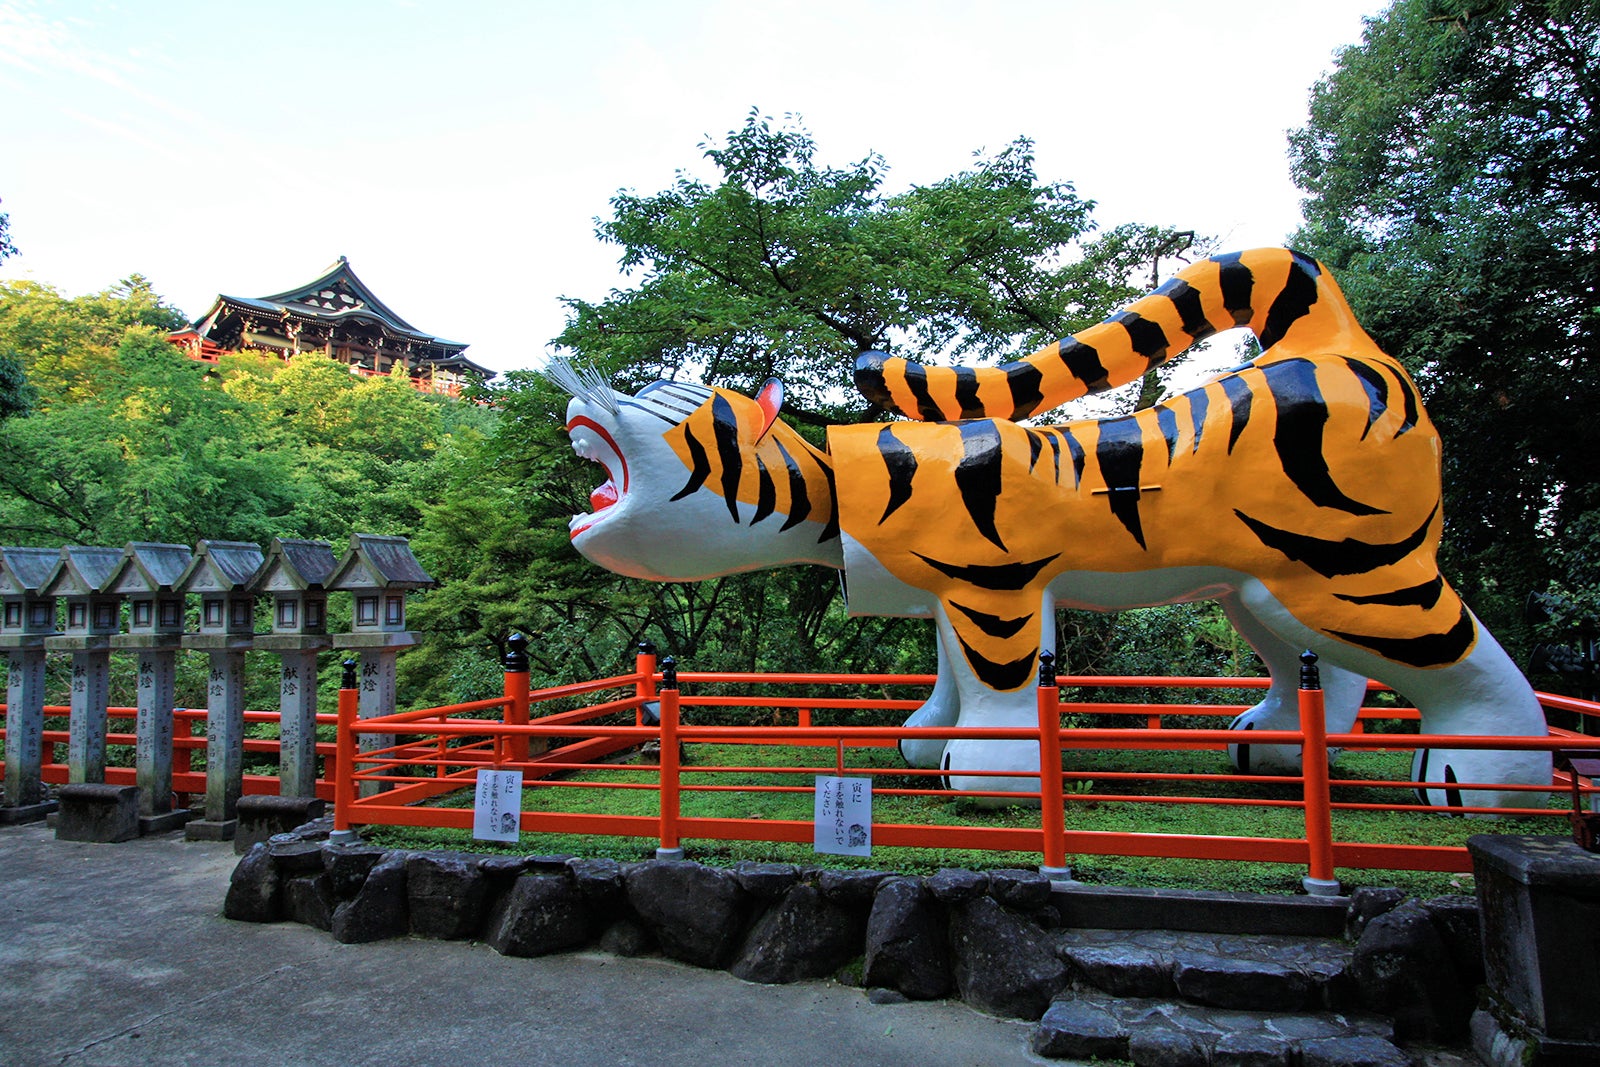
(1454,186)
(783,267)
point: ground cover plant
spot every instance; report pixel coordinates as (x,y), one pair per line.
(1093,774)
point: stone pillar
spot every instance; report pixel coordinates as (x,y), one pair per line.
(375,654)
(1539,898)
(297,710)
(87,699)
(25,796)
(224,736)
(153,730)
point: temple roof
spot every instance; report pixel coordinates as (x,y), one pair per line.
(337,296)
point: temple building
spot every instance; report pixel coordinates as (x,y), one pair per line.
(338,316)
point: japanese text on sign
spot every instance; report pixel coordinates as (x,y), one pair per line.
(843,816)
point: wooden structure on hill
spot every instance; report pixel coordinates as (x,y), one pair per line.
(338,316)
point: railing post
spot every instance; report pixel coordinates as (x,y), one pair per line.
(344,786)
(1320,881)
(644,665)
(1052,814)
(516,691)
(670,849)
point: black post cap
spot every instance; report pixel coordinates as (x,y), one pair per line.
(348,679)
(1047,669)
(669,673)
(1310,677)
(516,658)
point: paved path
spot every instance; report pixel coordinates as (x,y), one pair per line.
(118,954)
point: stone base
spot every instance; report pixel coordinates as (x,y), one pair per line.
(262,816)
(92,811)
(210,830)
(22,813)
(1498,1046)
(166,821)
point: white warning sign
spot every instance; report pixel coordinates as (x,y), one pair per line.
(843,816)
(497,806)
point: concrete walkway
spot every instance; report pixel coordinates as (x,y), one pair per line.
(118,954)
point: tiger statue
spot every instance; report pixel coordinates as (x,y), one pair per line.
(1302,491)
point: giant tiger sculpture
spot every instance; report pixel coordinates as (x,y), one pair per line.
(1302,491)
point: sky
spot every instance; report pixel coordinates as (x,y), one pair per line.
(459,153)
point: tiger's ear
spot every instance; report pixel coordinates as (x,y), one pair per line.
(770,399)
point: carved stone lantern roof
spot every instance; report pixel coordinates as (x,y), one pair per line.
(223,574)
(83,576)
(30,613)
(149,575)
(379,571)
(296,573)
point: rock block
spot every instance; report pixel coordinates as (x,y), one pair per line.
(92,811)
(1002,961)
(447,895)
(908,948)
(378,910)
(1403,969)
(254,889)
(540,914)
(1076,1029)
(805,935)
(695,913)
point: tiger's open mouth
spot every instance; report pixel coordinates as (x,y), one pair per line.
(591,442)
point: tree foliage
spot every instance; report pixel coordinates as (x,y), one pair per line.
(1453,175)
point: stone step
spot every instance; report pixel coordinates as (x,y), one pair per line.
(1152,1032)
(1252,972)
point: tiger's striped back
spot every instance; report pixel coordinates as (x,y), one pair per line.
(1278,294)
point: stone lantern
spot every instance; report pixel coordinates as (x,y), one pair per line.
(148,576)
(93,614)
(29,616)
(296,574)
(222,574)
(378,572)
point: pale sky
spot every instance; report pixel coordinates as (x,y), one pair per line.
(458,153)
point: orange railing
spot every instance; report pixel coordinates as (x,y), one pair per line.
(393,770)
(186,741)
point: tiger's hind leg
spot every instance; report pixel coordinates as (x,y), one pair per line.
(1482,694)
(942,708)
(1342,693)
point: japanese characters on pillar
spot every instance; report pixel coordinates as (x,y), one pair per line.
(29,616)
(296,575)
(93,614)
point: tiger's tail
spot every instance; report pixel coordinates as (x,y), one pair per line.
(1272,291)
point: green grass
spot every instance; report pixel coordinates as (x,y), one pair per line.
(1083,813)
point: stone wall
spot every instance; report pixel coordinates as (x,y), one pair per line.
(996,939)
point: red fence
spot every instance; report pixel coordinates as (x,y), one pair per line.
(397,770)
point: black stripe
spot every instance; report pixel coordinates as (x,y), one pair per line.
(725,427)
(1035,448)
(1006,577)
(1424,650)
(700,465)
(902,465)
(1377,389)
(799,496)
(1078,455)
(1332,559)
(1146,337)
(1167,420)
(1199,404)
(967,393)
(766,492)
(1186,301)
(1413,405)
(1293,301)
(1023,379)
(1001,677)
(1055,455)
(1084,363)
(917,381)
(993,625)
(869,379)
(830,532)
(1237,284)
(978,476)
(1424,596)
(1239,398)
(1302,416)
(1120,453)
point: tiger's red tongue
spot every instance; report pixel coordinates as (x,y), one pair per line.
(603,497)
